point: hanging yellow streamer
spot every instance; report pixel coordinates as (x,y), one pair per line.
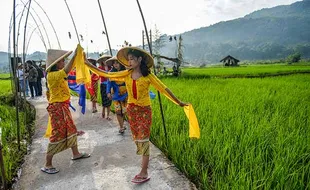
(82,72)
(48,131)
(194,131)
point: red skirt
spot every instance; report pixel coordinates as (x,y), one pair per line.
(64,132)
(140,120)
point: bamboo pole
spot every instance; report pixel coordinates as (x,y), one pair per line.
(150,48)
(16,80)
(2,169)
(143,39)
(29,39)
(50,23)
(105,27)
(24,60)
(77,35)
(12,70)
(48,39)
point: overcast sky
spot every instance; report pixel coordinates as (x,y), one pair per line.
(122,18)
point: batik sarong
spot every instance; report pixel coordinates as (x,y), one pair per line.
(140,120)
(64,132)
(94,86)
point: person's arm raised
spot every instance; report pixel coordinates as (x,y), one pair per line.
(69,65)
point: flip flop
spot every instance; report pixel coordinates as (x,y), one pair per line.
(49,170)
(80,133)
(109,119)
(121,131)
(138,179)
(82,155)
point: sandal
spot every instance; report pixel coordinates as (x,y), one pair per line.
(109,119)
(80,133)
(95,110)
(82,155)
(49,170)
(139,179)
(121,131)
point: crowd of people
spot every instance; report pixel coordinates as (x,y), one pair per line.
(30,78)
(124,80)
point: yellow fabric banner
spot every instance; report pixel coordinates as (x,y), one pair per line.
(82,73)
(194,131)
(48,131)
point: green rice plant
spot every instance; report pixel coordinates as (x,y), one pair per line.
(254,132)
(12,156)
(246,71)
(5,87)
(4,75)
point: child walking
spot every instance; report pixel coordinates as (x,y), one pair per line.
(93,88)
(118,94)
(106,102)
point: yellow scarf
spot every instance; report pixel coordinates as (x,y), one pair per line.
(83,76)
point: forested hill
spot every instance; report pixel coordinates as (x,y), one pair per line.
(272,33)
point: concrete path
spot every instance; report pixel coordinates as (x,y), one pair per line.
(112,165)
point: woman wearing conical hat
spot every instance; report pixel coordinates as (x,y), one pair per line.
(64,132)
(138,81)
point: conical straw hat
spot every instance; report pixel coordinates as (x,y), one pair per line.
(110,61)
(103,58)
(54,56)
(122,56)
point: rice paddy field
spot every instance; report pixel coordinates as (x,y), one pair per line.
(254,121)
(8,130)
(255,132)
(247,71)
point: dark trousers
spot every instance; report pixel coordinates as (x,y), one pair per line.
(33,86)
(39,84)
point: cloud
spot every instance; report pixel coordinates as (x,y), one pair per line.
(123,19)
(221,10)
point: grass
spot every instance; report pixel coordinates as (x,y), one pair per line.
(245,71)
(5,87)
(12,156)
(254,132)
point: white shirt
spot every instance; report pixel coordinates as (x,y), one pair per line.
(20,74)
